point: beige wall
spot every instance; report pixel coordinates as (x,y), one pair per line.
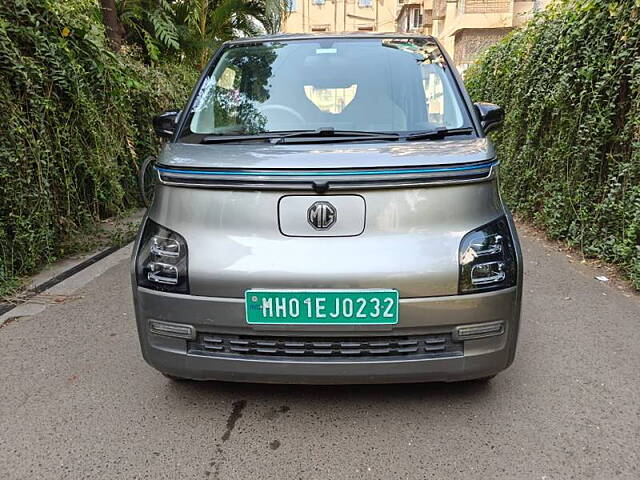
(467,27)
(470,42)
(342,16)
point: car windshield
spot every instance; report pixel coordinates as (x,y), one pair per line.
(375,85)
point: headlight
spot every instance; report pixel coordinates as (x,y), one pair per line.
(487,258)
(161,262)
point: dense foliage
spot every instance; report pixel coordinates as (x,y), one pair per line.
(193,29)
(76,126)
(570,145)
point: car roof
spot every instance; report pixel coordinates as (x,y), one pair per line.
(314,36)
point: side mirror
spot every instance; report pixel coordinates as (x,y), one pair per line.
(165,123)
(491,116)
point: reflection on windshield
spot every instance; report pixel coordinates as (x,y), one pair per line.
(226,102)
(390,85)
(332,100)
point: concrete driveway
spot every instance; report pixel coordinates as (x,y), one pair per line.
(78,401)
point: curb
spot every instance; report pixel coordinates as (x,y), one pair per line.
(66,282)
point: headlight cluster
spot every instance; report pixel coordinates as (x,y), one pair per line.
(161,262)
(487,258)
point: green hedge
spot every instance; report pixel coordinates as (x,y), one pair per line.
(570,146)
(75,127)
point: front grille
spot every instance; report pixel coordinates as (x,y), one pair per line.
(423,346)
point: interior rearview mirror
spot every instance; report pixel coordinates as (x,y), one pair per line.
(165,123)
(491,115)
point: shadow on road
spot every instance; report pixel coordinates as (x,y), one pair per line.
(369,394)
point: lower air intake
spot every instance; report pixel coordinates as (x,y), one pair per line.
(422,346)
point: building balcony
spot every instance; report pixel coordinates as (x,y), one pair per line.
(484,6)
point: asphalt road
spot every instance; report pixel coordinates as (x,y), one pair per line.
(78,401)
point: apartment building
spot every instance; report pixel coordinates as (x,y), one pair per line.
(341,16)
(465,27)
(415,16)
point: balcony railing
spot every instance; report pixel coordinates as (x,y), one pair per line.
(485,6)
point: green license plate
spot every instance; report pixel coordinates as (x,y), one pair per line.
(322,307)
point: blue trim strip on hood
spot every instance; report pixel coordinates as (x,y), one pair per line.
(328,173)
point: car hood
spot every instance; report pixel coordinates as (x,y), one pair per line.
(335,155)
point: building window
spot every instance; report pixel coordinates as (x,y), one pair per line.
(364,3)
(319,28)
(292,5)
(416,18)
(318,2)
(365,28)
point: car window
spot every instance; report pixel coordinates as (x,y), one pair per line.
(365,84)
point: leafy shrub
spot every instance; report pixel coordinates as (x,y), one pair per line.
(75,127)
(570,146)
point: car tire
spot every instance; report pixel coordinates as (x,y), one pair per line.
(146,179)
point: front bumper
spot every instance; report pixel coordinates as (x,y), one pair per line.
(418,316)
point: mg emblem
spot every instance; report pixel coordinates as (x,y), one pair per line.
(322,215)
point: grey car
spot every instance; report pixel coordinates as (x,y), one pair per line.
(326,210)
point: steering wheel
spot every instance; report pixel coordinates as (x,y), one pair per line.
(282,109)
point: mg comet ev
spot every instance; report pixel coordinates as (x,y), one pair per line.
(326,210)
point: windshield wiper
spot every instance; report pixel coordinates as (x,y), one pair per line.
(236,138)
(438,133)
(330,132)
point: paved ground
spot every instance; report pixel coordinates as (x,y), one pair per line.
(77,401)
